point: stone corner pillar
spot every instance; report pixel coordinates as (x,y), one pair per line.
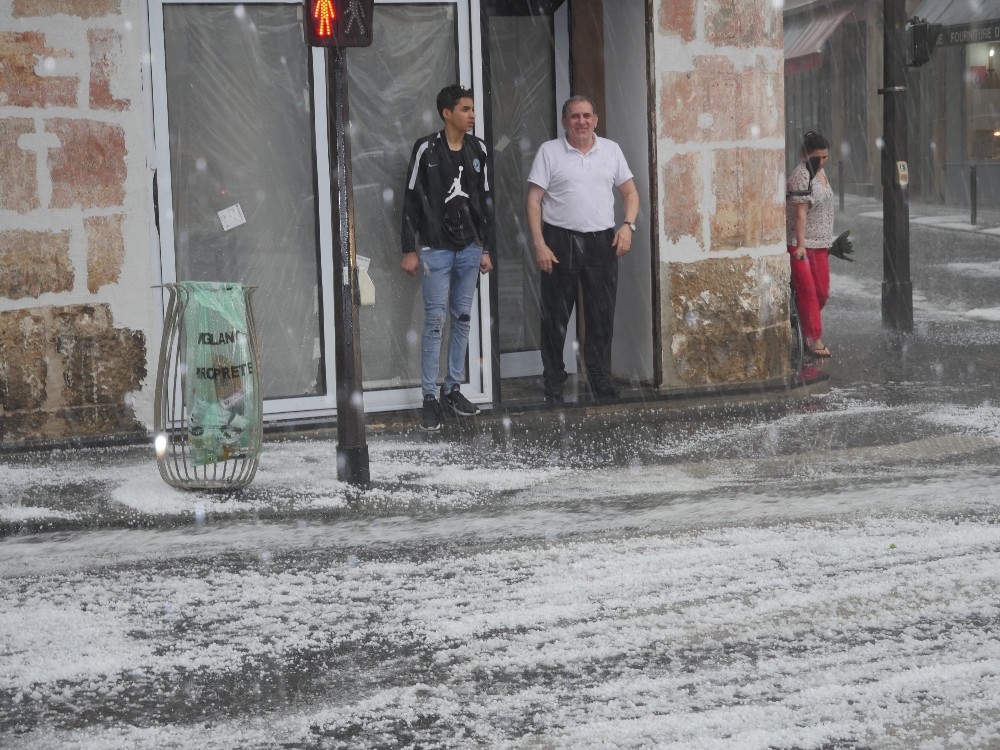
(720,170)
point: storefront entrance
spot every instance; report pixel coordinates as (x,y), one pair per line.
(539,53)
(529,79)
(244,193)
(419,47)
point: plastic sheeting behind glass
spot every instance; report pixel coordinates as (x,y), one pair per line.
(241,134)
(523,100)
(392,87)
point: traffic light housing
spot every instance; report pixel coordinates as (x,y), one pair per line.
(921,38)
(338,23)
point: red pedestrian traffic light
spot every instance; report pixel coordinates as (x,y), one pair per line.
(323,18)
(338,23)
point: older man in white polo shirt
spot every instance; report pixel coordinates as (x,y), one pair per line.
(571,214)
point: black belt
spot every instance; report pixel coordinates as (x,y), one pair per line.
(580,234)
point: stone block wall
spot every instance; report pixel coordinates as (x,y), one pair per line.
(68,372)
(720,161)
(74,359)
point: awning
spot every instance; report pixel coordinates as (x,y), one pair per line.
(964,21)
(804,41)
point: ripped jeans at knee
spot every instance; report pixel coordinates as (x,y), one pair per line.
(449,286)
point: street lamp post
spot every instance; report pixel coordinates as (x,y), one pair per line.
(897,288)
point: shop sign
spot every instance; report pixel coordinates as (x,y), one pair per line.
(970,33)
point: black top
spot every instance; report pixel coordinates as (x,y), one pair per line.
(448,201)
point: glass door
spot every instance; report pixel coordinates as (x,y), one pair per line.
(419,47)
(529,81)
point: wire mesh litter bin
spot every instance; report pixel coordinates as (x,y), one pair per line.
(209,411)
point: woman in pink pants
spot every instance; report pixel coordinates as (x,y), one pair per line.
(809,228)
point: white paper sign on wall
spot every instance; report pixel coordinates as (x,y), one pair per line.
(232,217)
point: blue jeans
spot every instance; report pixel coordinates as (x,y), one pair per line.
(449,281)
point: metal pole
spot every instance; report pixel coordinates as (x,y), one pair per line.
(973,193)
(840,182)
(897,288)
(352,448)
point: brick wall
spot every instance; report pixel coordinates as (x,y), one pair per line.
(720,160)
(74,312)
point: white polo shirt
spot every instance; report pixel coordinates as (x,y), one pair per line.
(579,186)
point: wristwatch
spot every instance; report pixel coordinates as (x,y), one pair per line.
(630,225)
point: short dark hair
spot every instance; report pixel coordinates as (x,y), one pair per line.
(813,141)
(578,98)
(448,97)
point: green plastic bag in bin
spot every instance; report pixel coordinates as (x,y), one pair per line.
(220,384)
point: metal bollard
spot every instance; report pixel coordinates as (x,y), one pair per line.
(973,189)
(840,182)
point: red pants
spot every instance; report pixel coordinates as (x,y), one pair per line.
(811,282)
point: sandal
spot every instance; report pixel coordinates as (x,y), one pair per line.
(820,351)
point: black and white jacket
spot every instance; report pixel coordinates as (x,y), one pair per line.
(429,180)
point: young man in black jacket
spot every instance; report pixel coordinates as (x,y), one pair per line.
(447,220)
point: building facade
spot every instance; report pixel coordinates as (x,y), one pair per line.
(150,141)
(833,71)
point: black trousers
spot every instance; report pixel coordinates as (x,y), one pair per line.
(586,259)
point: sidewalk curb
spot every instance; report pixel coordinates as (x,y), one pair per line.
(790,388)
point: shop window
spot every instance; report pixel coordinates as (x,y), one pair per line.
(983,101)
(986,144)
